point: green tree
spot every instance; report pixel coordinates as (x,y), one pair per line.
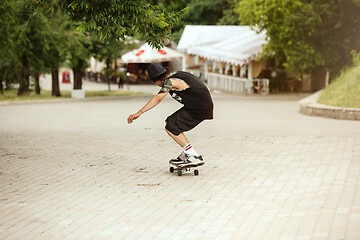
(30,47)
(34,33)
(37,37)
(9,62)
(229,15)
(79,55)
(174,6)
(115,19)
(109,51)
(304,35)
(119,18)
(61,35)
(201,12)
(23,35)
(206,12)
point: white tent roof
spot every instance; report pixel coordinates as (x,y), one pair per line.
(231,44)
(147,54)
(197,35)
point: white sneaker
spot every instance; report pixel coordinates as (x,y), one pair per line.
(181,159)
(193,160)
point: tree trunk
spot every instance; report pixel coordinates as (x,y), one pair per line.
(7,85)
(37,84)
(1,86)
(327,78)
(108,75)
(55,89)
(77,78)
(318,77)
(24,78)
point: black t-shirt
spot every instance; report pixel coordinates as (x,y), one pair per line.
(196,99)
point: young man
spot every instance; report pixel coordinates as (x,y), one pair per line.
(198,106)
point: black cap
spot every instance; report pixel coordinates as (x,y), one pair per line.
(155,70)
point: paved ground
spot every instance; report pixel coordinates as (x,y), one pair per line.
(76,170)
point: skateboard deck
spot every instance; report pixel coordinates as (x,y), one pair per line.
(186,169)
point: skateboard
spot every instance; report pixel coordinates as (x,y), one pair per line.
(186,169)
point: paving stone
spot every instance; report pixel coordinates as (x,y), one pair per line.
(77,170)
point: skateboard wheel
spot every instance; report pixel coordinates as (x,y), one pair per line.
(196,172)
(179,173)
(171,169)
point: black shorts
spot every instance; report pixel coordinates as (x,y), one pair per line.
(181,121)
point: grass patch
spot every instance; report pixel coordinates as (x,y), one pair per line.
(344,91)
(11,95)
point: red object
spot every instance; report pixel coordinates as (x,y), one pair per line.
(188,148)
(66,77)
(140,52)
(162,52)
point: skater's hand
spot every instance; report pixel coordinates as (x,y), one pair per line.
(133,117)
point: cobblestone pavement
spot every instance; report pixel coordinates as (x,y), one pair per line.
(77,170)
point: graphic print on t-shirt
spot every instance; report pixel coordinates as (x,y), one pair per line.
(177,97)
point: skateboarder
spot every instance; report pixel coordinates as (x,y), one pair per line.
(198,106)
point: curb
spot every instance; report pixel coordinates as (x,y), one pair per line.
(310,106)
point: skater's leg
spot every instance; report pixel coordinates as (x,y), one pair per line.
(179,139)
(183,142)
(178,123)
(188,151)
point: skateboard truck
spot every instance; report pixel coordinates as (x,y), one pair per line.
(181,170)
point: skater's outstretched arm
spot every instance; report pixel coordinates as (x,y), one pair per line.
(155,100)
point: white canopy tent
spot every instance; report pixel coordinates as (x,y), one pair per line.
(238,50)
(236,45)
(147,54)
(200,35)
(225,51)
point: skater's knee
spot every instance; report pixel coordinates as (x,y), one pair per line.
(168,132)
